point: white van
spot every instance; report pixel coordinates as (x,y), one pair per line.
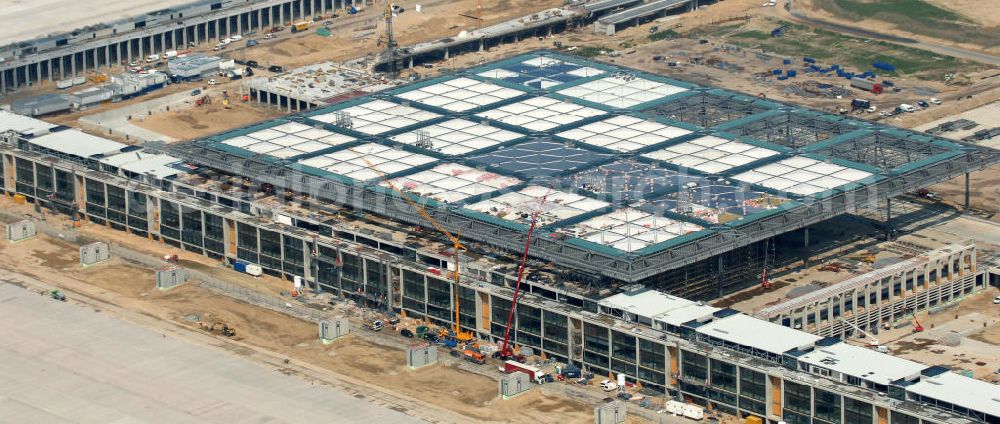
(152,58)
(236,38)
(907,108)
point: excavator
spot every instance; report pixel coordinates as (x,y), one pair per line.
(219,327)
(456,332)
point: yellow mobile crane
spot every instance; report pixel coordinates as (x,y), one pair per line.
(457,245)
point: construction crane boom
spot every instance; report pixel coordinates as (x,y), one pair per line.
(456,244)
(872,340)
(505,351)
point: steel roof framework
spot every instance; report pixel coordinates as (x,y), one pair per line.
(791,129)
(870,145)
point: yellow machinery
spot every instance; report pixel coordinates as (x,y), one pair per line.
(220,327)
(457,246)
(866,257)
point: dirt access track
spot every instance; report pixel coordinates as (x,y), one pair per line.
(936,25)
(366,367)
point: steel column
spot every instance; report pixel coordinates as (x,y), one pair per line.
(966,192)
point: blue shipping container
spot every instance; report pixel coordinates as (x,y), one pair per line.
(787,61)
(792,73)
(782,78)
(240,267)
(808,60)
(776,72)
(888,67)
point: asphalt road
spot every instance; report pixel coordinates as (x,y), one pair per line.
(118,121)
(65,363)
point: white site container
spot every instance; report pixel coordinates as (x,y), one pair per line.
(255,270)
(694,412)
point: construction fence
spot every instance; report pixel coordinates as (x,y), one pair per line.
(235,291)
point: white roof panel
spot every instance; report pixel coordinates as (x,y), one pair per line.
(748,331)
(77,143)
(966,392)
(646,303)
(10,121)
(686,313)
(862,363)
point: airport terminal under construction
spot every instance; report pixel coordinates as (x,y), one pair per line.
(650,195)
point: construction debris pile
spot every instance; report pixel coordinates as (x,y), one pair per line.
(812,88)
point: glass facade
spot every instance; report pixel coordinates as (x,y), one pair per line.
(753,390)
(827,406)
(798,403)
(857,412)
(694,366)
(596,345)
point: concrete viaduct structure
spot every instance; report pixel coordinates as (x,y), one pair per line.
(70,54)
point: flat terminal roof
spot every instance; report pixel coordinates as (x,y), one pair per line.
(747,331)
(125,158)
(629,229)
(645,303)
(571,133)
(22,19)
(10,121)
(78,143)
(684,314)
(159,165)
(960,390)
(452,182)
(862,363)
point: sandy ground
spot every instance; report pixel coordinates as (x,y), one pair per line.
(968,8)
(986,13)
(987,116)
(200,121)
(131,287)
(437,19)
(977,319)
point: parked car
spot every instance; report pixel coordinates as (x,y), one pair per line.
(996,300)
(212,82)
(935,100)
(252,63)
(609,386)
(276,69)
(195,92)
(922,104)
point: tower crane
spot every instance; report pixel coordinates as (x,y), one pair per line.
(505,352)
(389,40)
(456,244)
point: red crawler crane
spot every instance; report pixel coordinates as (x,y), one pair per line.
(506,352)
